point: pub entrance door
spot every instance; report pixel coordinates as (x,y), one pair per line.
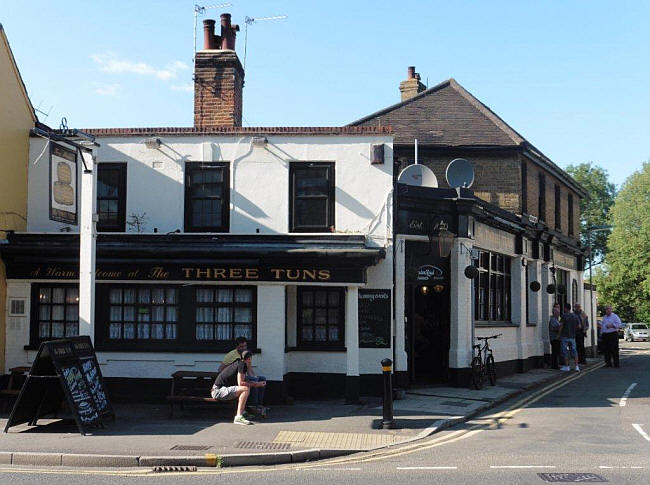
(428,331)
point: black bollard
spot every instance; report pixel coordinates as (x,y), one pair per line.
(387,422)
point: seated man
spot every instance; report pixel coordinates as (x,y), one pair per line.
(256,398)
(231,384)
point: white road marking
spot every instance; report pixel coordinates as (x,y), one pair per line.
(426,468)
(641,432)
(522,466)
(626,394)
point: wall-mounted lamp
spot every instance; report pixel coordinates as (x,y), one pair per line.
(438,288)
(424,290)
(259,141)
(152,143)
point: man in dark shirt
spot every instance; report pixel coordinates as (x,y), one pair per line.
(568,326)
(231,384)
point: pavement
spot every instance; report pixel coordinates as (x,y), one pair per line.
(204,436)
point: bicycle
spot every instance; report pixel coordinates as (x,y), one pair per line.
(483,363)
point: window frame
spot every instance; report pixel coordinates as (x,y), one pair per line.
(320,345)
(121,168)
(541,201)
(558,208)
(191,167)
(570,230)
(34,339)
(330,198)
(186,322)
(503,292)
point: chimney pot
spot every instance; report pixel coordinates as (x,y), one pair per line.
(209,40)
(411,72)
(228,32)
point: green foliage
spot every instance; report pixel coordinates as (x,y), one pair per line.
(627,284)
(594,209)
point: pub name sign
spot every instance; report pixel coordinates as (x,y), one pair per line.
(176,272)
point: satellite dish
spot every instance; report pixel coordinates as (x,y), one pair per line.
(460,173)
(419,176)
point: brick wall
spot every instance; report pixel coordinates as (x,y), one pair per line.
(497,177)
(218,86)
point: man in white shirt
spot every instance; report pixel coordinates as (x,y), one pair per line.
(609,332)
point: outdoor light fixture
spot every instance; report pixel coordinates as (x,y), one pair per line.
(438,288)
(259,141)
(424,290)
(445,241)
(152,143)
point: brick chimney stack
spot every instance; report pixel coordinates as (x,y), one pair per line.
(218,78)
(412,86)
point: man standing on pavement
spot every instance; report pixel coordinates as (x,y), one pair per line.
(554,336)
(581,332)
(609,331)
(231,384)
(568,325)
(256,398)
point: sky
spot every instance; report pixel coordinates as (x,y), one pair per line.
(570,76)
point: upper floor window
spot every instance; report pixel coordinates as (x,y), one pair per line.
(570,200)
(524,187)
(541,202)
(311,198)
(207,197)
(55,312)
(111,197)
(558,208)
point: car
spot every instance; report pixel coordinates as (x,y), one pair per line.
(637,331)
(621,330)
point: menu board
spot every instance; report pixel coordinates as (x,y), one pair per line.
(374,319)
(64,368)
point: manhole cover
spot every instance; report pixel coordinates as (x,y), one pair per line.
(455,403)
(571,477)
(191,447)
(262,445)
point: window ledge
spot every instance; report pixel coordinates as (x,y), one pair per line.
(315,348)
(495,324)
(531,324)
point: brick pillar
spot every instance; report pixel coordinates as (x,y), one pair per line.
(412,86)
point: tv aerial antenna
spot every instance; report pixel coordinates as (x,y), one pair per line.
(200,10)
(39,110)
(250,21)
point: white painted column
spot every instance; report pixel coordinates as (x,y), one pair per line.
(546,305)
(270,332)
(87,248)
(352,379)
(535,301)
(518,306)
(462,319)
(401,357)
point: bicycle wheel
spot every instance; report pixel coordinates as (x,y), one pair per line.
(491,370)
(477,374)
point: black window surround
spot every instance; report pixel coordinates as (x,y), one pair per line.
(320,315)
(561,278)
(186,309)
(524,187)
(54,312)
(311,197)
(570,203)
(224,313)
(207,197)
(541,202)
(111,197)
(492,288)
(558,208)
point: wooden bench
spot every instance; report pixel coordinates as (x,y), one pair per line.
(193,387)
(12,389)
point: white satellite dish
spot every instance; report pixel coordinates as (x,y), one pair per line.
(460,173)
(419,176)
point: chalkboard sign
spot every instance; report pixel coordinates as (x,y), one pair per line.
(374,319)
(64,369)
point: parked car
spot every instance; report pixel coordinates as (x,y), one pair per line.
(621,330)
(637,331)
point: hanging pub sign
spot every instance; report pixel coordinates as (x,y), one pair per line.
(63,184)
(374,319)
(63,370)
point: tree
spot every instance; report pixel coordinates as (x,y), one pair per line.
(594,209)
(627,285)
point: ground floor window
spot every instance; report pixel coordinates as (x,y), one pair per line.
(174,318)
(492,291)
(55,312)
(561,288)
(321,316)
